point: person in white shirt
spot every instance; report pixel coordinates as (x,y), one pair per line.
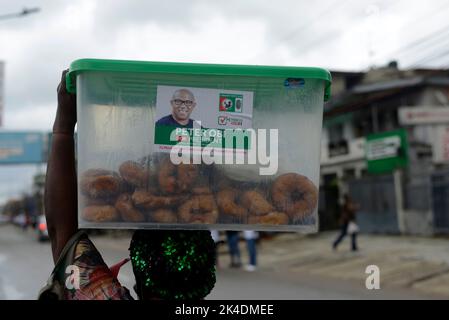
(251,237)
(216,237)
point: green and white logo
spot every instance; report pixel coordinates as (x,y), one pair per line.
(231,102)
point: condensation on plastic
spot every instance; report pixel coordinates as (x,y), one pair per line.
(116,116)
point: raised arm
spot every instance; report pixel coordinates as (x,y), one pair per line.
(61,185)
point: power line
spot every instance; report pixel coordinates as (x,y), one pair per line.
(310,22)
(430,46)
(20,14)
(430,37)
(305,26)
(431,58)
(438,10)
(418,42)
(309,45)
(429,52)
(317,41)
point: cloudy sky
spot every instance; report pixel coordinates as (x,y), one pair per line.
(335,34)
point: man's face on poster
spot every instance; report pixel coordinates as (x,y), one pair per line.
(183,103)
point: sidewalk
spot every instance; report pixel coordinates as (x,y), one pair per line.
(412,263)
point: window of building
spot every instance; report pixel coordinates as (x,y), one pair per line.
(349,174)
(337,144)
(362,124)
(330,179)
(335,133)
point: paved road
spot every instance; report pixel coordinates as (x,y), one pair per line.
(25,265)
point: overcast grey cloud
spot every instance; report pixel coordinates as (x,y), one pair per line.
(345,34)
(335,34)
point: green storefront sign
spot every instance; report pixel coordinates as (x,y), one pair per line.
(386,151)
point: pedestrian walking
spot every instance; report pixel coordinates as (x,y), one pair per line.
(233,238)
(251,239)
(348,223)
(216,237)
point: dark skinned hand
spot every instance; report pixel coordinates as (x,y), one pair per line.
(66,113)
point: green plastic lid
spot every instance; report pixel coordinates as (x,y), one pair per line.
(81,65)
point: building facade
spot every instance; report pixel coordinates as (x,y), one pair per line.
(2,94)
(411,199)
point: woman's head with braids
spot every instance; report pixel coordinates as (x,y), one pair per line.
(173,264)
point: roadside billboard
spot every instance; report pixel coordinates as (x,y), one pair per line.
(21,147)
(386,151)
(440,144)
(423,115)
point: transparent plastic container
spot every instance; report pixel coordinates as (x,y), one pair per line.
(159,145)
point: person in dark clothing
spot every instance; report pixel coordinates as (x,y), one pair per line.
(182,103)
(234,251)
(347,220)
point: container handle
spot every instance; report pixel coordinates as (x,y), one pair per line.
(70,81)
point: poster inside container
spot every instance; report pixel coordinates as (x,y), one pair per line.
(199,117)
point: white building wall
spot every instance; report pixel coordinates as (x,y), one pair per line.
(348,131)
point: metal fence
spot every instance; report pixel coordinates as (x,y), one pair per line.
(440,201)
(376,197)
(328,208)
(417,192)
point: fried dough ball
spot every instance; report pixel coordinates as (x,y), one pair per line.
(295,195)
(201,190)
(176,178)
(272,218)
(86,201)
(226,201)
(167,177)
(99,183)
(105,213)
(134,173)
(187,173)
(125,207)
(146,200)
(164,216)
(256,203)
(199,209)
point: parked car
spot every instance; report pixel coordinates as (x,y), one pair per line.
(42,230)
